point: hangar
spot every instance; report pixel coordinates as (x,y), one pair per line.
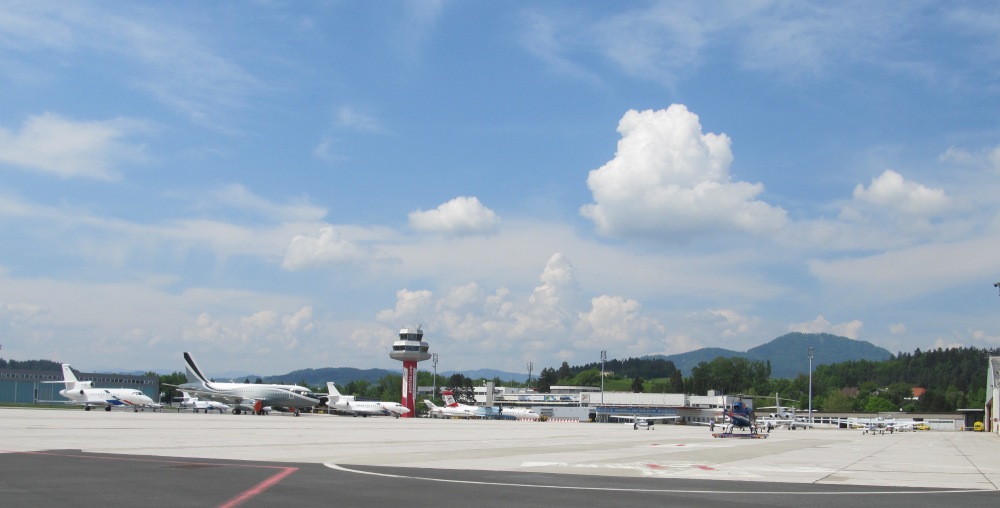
(992,418)
(31,386)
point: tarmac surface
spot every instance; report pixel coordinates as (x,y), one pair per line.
(187,459)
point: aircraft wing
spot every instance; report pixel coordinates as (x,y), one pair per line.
(221,397)
(631,418)
(78,402)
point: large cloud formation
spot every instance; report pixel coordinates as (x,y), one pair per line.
(670,180)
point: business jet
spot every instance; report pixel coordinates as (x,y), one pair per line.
(288,398)
(644,422)
(83,393)
(783,415)
(195,404)
(506,413)
(451,409)
(348,404)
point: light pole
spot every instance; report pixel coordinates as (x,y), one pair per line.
(810,385)
(604,358)
(434,360)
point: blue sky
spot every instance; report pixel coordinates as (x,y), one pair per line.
(282,185)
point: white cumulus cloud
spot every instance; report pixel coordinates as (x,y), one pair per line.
(260,331)
(618,321)
(890,190)
(670,179)
(550,320)
(327,248)
(462,216)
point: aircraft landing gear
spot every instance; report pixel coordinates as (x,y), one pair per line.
(107,408)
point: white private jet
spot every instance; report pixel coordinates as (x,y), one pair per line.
(783,415)
(83,393)
(195,404)
(506,413)
(289,398)
(349,404)
(451,409)
(644,422)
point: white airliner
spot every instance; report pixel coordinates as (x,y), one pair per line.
(289,398)
(348,404)
(451,409)
(83,393)
(195,404)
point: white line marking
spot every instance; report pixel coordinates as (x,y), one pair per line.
(676,491)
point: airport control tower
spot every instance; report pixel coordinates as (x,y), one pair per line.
(410,349)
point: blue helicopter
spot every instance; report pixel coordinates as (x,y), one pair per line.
(741,416)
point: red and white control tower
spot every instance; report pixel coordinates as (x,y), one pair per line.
(410,349)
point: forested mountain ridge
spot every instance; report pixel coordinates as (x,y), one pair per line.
(339,375)
(788,354)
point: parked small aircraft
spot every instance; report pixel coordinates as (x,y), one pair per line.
(349,404)
(783,416)
(83,393)
(451,409)
(195,404)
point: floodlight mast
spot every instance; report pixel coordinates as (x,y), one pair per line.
(604,358)
(810,353)
(434,359)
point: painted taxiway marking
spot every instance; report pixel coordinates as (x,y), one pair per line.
(744,493)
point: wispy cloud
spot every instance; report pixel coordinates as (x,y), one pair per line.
(49,143)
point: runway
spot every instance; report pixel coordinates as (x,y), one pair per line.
(171,459)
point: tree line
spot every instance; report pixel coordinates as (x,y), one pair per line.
(951,379)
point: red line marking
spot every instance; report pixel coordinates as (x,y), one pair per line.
(256,490)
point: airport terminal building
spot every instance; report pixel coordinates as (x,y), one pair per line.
(34,386)
(587,403)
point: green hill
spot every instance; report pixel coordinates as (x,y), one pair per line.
(339,375)
(788,353)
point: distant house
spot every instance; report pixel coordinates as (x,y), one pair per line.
(851,391)
(917,392)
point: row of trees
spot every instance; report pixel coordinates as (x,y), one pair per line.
(952,379)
